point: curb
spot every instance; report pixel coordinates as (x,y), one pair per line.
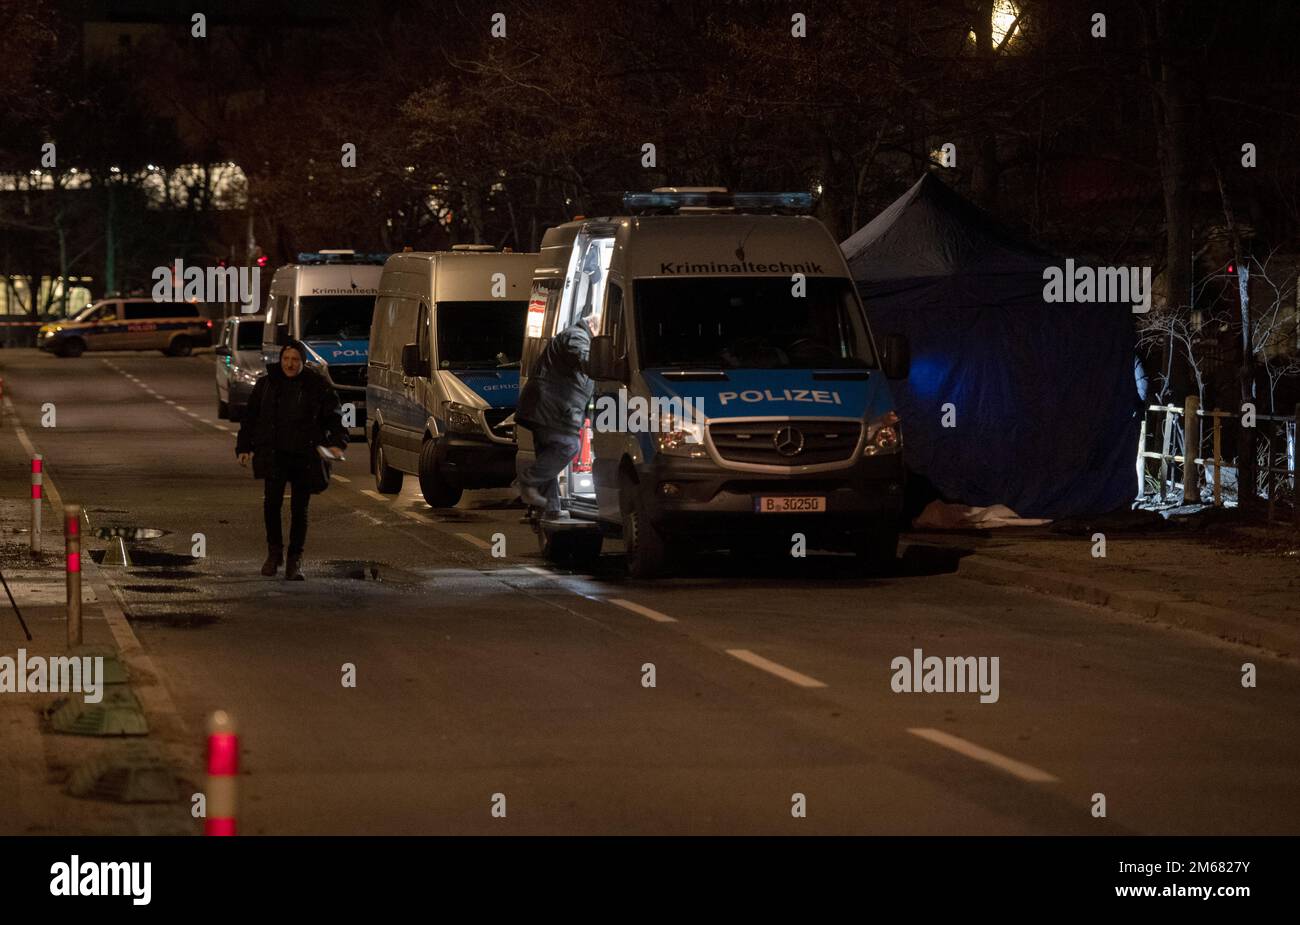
(1218,622)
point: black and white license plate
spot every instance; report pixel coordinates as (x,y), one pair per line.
(790,504)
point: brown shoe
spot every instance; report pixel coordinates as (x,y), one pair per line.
(291,571)
(274,556)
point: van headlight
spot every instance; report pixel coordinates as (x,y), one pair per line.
(461,419)
(677,435)
(884,435)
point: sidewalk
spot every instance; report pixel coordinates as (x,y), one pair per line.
(1230,580)
(37,763)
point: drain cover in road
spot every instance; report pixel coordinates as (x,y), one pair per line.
(133,774)
(118,714)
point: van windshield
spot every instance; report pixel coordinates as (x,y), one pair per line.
(93,311)
(480,335)
(335,317)
(750,321)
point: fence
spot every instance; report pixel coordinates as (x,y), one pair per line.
(1275,449)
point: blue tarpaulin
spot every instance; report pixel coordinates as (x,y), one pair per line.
(1042,395)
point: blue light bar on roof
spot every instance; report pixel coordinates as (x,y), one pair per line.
(318,258)
(740,202)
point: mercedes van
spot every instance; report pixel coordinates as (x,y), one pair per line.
(326,300)
(444,370)
(740,398)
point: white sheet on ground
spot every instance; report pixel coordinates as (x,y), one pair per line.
(939,515)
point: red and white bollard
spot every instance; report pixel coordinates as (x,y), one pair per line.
(37,463)
(72,542)
(223,766)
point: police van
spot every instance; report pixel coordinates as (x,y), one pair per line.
(740,398)
(325,300)
(444,370)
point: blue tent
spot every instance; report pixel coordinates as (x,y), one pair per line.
(1046,410)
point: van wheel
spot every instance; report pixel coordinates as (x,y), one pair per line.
(647,553)
(73,347)
(180,347)
(387,481)
(876,551)
(223,410)
(437,492)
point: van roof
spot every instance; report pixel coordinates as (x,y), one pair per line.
(704,244)
(458,275)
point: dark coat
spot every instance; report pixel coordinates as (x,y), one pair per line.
(559,385)
(317,422)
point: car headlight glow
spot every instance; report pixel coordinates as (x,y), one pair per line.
(884,435)
(461,419)
(676,434)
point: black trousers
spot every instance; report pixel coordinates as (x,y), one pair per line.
(289,469)
(554,449)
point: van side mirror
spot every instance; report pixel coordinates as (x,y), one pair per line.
(897,361)
(412,365)
(222,351)
(602,361)
(281,335)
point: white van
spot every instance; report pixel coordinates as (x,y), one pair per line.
(326,300)
(444,370)
(740,397)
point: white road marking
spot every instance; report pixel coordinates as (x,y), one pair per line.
(540,571)
(339,478)
(227,430)
(771,667)
(643,611)
(971,750)
(471,538)
(371,493)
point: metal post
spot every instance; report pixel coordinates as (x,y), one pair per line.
(1164,449)
(1295,471)
(1142,458)
(37,465)
(1191,449)
(1218,460)
(72,538)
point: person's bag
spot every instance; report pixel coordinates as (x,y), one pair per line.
(319,472)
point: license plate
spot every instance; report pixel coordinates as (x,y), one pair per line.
(789,504)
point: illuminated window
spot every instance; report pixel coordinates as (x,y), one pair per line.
(1005,14)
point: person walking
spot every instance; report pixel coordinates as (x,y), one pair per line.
(552,405)
(291,412)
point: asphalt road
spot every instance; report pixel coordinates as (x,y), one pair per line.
(478,676)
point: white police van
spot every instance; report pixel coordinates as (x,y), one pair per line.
(326,300)
(730,324)
(444,370)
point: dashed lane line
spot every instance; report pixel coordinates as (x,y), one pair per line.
(1026,772)
(787,674)
(642,610)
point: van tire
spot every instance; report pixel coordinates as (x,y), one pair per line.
(180,347)
(223,410)
(72,347)
(646,550)
(388,481)
(437,492)
(877,551)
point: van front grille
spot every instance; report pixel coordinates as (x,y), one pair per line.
(792,442)
(351,375)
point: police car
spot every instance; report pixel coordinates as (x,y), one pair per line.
(175,328)
(740,396)
(326,300)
